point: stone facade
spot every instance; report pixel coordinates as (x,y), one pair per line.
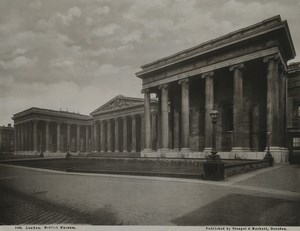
(114,127)
(293,116)
(243,74)
(52,132)
(7,139)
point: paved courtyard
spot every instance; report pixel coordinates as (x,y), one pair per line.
(37,196)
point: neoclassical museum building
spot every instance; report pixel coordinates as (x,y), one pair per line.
(116,126)
(244,75)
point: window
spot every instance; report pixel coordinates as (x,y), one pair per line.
(296,142)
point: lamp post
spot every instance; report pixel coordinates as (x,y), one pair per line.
(214,118)
(268,155)
(214,167)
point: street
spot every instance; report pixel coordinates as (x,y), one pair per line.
(37,196)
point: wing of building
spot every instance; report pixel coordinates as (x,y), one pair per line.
(114,127)
(244,75)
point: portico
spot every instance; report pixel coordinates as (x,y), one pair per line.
(119,124)
(241,74)
(51,132)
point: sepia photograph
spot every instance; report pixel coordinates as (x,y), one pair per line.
(150,115)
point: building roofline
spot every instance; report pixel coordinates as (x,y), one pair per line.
(96,112)
(51,112)
(273,23)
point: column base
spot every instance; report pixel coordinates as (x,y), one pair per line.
(280,155)
(117,150)
(133,151)
(207,149)
(162,152)
(240,149)
(185,150)
(124,151)
(147,150)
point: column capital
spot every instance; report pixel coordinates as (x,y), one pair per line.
(133,116)
(163,86)
(124,117)
(274,56)
(239,66)
(78,125)
(145,91)
(207,74)
(153,111)
(183,81)
(116,119)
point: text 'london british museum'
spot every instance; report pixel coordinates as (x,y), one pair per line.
(244,75)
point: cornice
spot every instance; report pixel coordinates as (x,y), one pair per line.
(255,30)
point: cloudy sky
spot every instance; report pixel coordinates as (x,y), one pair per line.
(78,54)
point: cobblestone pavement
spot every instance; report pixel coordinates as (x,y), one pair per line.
(45,196)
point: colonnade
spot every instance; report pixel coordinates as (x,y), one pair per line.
(119,134)
(274,107)
(35,136)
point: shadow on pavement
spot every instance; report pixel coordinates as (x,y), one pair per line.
(20,208)
(239,210)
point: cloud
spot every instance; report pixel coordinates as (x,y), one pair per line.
(60,19)
(52,52)
(102,10)
(105,30)
(36,5)
(19,62)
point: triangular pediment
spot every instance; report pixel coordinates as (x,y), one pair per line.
(118,103)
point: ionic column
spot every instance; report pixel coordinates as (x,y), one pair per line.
(26,137)
(91,137)
(117,135)
(69,136)
(16,140)
(35,136)
(19,138)
(158,95)
(95,140)
(125,148)
(153,130)
(133,133)
(47,123)
(164,118)
(238,131)
(30,136)
(58,138)
(143,131)
(176,119)
(209,102)
(102,136)
(147,120)
(86,138)
(273,100)
(22,137)
(109,136)
(78,138)
(185,115)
